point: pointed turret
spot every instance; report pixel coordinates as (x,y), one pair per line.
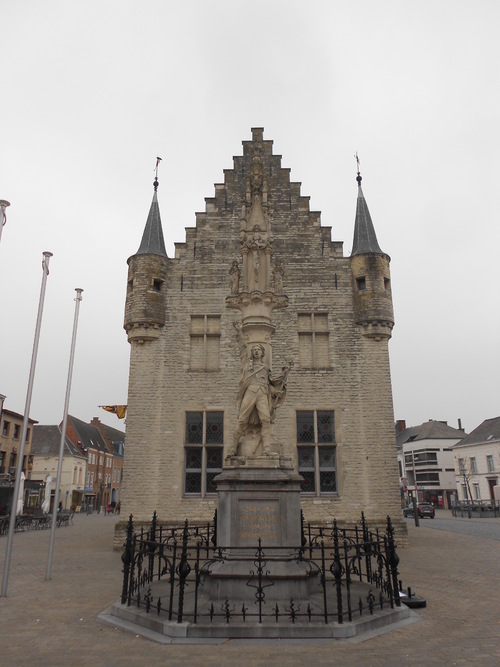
(146,300)
(371,276)
(365,239)
(152,240)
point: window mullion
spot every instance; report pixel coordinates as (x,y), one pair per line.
(316,452)
(204,450)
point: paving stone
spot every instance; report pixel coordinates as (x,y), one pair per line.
(54,622)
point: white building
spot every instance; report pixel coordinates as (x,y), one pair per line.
(45,450)
(426,461)
(477,462)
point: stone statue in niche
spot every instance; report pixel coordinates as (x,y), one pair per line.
(259,397)
(256,266)
(278,278)
(234,277)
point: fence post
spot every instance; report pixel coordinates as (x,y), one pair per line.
(127,557)
(337,572)
(214,536)
(183,571)
(152,547)
(323,581)
(393,559)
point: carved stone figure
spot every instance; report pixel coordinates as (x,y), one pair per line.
(259,395)
(278,277)
(234,277)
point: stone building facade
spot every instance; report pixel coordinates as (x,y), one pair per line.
(334,323)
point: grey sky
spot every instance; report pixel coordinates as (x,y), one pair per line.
(93,91)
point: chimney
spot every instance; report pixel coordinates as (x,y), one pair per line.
(460,424)
(400,425)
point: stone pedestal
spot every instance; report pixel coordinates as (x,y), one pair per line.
(259,498)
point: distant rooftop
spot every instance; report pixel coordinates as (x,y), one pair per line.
(431,430)
(486,432)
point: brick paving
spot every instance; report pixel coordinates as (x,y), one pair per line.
(54,622)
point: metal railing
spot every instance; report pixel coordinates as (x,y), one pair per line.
(355,572)
(476,508)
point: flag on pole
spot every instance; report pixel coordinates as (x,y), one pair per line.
(119,410)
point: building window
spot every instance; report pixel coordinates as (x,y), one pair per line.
(477,492)
(17,432)
(205,342)
(473,465)
(316,451)
(203,452)
(313,340)
(427,478)
(361,283)
(157,283)
(489,463)
(387,283)
(6,429)
(461,466)
(421,458)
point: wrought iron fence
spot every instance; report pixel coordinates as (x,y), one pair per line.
(164,569)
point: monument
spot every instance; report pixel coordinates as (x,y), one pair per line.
(259,387)
(207,399)
(258,489)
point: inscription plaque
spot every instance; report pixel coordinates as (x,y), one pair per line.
(258,518)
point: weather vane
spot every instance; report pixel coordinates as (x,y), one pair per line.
(156,183)
(358,178)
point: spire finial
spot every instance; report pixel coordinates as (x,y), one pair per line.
(358,177)
(156,182)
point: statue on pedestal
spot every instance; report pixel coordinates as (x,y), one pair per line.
(259,396)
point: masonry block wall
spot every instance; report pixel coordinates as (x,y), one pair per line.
(350,376)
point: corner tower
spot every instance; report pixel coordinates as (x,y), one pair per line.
(373,319)
(144,322)
(371,276)
(145,302)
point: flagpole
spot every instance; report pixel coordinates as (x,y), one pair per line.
(12,523)
(3,217)
(78,298)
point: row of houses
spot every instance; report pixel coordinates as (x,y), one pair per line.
(92,467)
(444,465)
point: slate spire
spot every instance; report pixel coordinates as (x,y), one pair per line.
(365,239)
(152,240)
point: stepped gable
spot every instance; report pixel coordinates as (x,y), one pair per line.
(217,229)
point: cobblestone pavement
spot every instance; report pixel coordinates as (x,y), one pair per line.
(54,622)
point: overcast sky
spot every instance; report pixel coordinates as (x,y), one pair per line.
(92,91)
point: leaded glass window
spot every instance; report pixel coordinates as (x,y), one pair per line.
(204,443)
(316,451)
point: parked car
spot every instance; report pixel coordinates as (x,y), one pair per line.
(423,509)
